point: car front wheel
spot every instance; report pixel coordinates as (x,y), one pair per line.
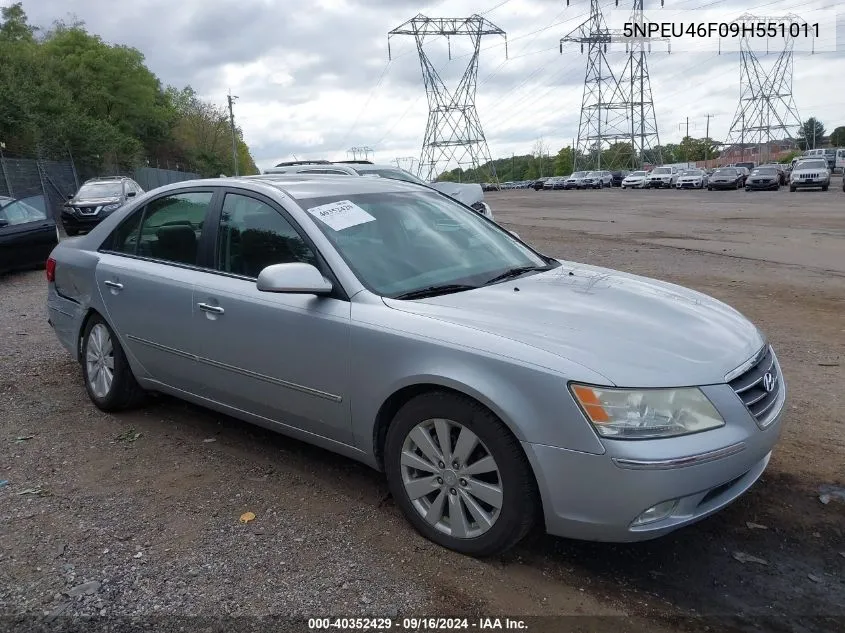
(459,475)
(108,376)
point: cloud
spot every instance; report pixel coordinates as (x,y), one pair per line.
(314,79)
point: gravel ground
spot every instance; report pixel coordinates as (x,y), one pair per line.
(138,514)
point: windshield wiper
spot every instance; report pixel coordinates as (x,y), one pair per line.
(433,291)
(514,272)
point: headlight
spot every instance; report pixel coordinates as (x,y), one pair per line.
(111,207)
(646,413)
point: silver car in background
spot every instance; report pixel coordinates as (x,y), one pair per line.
(386,322)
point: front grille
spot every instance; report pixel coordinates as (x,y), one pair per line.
(751,387)
(809,176)
(87,210)
(478,206)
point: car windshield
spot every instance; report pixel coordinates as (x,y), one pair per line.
(638,174)
(693,172)
(397,243)
(100,190)
(725,172)
(578,174)
(811,164)
(765,171)
(393,174)
(662,170)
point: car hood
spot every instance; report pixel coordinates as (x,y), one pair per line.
(635,331)
(658,176)
(94,201)
(725,178)
(468,193)
(819,170)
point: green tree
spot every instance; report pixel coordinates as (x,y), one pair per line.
(15,27)
(564,161)
(837,137)
(810,134)
(696,149)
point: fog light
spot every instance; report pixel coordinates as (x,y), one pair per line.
(656,513)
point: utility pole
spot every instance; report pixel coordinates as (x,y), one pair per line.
(234,138)
(707,143)
(513,169)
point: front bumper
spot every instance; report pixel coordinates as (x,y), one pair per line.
(762,186)
(658,184)
(598,497)
(80,221)
(815,182)
(723,185)
(639,184)
(572,185)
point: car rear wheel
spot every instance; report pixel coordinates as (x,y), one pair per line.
(792,189)
(459,475)
(108,377)
(824,188)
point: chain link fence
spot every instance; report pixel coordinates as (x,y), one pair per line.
(57,180)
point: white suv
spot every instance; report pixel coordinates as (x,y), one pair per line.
(662,177)
(470,194)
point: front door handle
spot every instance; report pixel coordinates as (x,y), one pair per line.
(114,284)
(205,307)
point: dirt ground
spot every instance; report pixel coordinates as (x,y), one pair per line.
(137,514)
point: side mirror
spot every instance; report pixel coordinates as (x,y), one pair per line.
(515,234)
(70,197)
(130,194)
(3,222)
(294,278)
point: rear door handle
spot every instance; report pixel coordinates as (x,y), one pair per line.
(205,307)
(114,284)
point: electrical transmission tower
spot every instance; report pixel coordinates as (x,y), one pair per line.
(766,110)
(406,163)
(360,153)
(453,134)
(618,124)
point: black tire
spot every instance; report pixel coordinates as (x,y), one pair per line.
(125,392)
(709,188)
(792,189)
(520,500)
(825,188)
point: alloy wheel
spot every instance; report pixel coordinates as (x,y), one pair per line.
(99,359)
(451,478)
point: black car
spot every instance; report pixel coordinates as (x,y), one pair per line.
(781,169)
(726,178)
(96,200)
(763,179)
(27,233)
(617,177)
(539,183)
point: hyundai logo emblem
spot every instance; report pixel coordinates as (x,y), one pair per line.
(769,382)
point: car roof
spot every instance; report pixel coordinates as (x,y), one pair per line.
(316,185)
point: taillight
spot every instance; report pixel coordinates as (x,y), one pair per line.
(51,269)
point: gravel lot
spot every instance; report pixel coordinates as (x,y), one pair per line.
(137,514)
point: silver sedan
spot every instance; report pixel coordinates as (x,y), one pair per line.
(389,323)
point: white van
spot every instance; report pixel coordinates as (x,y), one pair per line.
(840,158)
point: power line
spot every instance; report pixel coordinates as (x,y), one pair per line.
(231,100)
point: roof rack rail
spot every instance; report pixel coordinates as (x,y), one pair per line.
(108,178)
(353,162)
(292,163)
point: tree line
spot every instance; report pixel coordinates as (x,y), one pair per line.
(66,91)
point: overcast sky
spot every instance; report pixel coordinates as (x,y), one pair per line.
(313,77)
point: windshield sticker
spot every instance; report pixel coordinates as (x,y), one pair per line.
(340,215)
